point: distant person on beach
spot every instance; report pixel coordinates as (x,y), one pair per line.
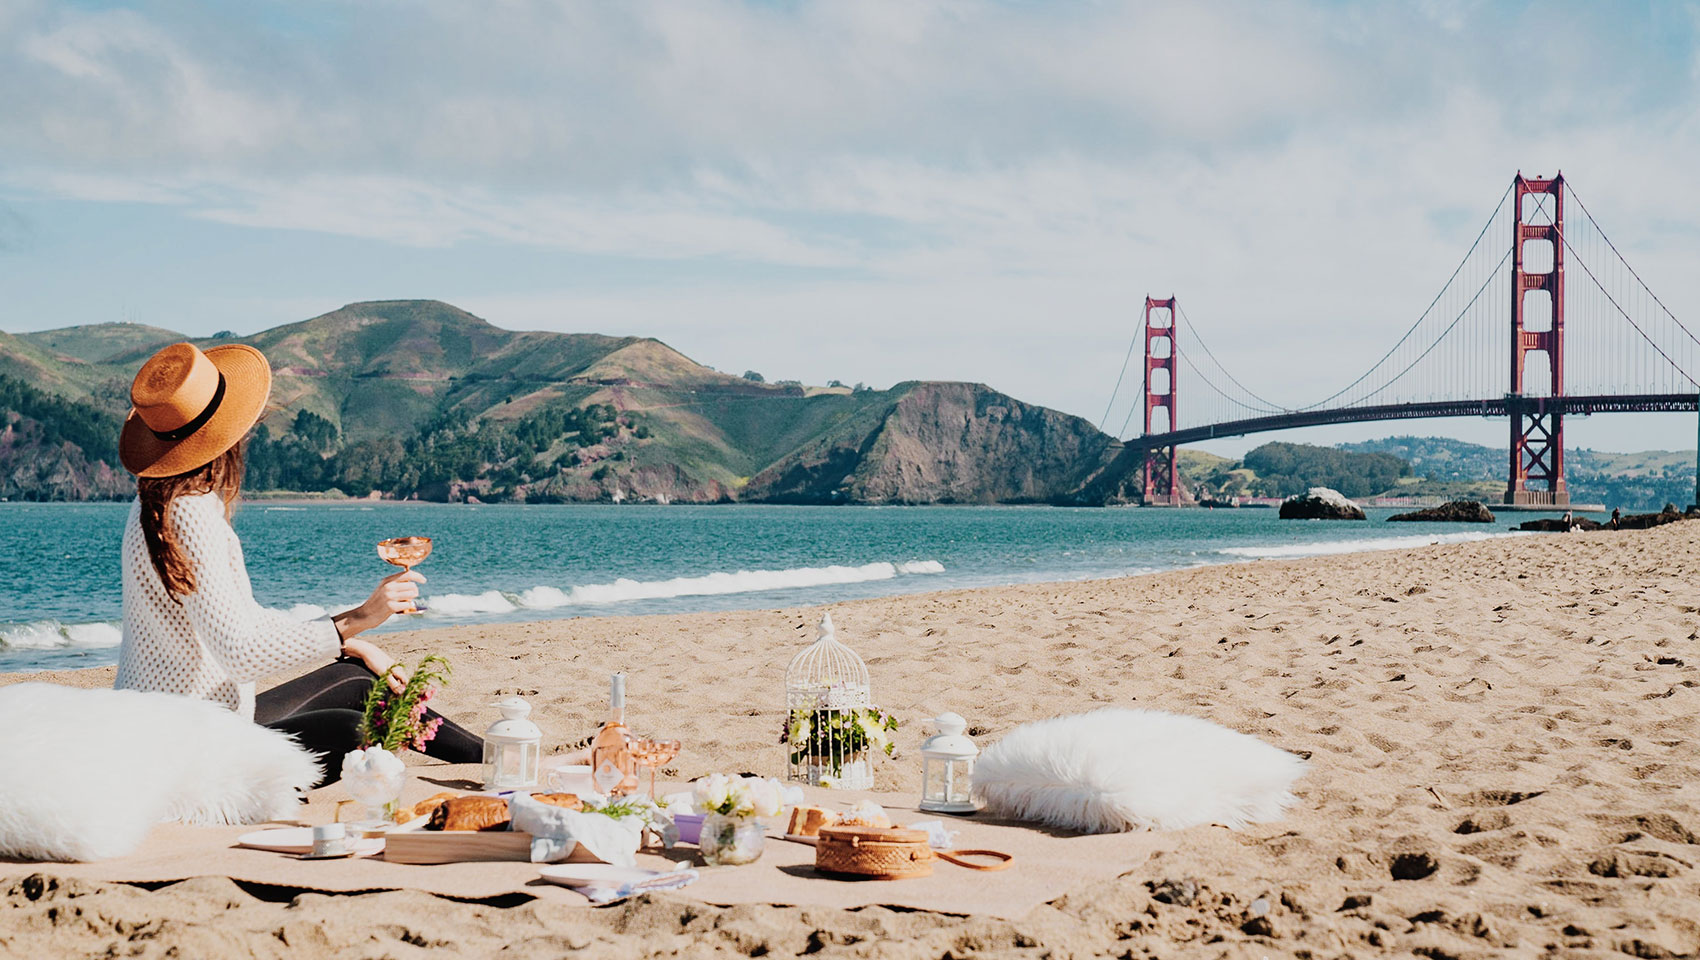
(191,624)
(1569,524)
(1615,517)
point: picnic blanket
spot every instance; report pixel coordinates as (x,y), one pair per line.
(1047,864)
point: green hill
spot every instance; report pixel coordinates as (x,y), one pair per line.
(418,398)
(100,342)
(1632,481)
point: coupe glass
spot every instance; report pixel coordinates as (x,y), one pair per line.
(654,754)
(406,553)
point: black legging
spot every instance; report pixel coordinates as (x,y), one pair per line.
(323,710)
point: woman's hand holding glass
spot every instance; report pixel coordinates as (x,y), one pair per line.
(395,594)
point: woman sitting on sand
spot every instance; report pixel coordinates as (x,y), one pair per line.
(191,625)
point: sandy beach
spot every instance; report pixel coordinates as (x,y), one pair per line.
(1500,736)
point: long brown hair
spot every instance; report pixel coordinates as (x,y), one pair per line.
(222,476)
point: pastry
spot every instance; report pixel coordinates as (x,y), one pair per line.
(806,821)
(568,800)
(470,813)
(423,808)
(865,813)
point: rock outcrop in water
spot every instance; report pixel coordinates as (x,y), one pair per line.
(1557,525)
(1642,521)
(1637,521)
(1457,511)
(1320,503)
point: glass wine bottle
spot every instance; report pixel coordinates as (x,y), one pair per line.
(612,767)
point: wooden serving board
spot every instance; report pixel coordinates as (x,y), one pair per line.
(463,846)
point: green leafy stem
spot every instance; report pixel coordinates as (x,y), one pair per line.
(393,720)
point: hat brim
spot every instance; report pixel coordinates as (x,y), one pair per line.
(247,386)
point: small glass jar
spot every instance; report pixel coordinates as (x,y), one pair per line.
(728,840)
(374,778)
(513,747)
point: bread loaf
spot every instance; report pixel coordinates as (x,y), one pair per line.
(470,813)
(423,808)
(806,821)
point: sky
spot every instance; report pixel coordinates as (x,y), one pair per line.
(868,191)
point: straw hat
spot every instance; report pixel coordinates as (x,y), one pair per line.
(190,406)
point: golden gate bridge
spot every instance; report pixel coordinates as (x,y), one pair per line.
(1542,318)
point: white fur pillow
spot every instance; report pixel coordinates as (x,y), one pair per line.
(86,773)
(1119,769)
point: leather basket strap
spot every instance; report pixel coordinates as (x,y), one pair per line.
(1003,859)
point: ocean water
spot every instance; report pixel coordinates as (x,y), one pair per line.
(59,579)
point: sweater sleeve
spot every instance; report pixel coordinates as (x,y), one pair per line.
(247,641)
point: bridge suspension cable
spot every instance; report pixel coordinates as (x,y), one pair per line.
(1445,288)
(1269,406)
(1132,343)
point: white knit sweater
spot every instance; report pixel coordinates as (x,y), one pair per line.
(218,640)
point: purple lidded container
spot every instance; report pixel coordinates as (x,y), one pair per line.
(690,827)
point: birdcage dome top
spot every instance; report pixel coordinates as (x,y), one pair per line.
(827,673)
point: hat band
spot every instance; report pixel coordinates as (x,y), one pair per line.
(172,436)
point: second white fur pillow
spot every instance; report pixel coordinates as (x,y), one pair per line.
(1119,769)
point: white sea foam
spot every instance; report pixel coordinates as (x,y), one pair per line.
(53,635)
(467,605)
(712,584)
(306,611)
(920,566)
(1331,547)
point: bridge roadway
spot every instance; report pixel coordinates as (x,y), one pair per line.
(1497,407)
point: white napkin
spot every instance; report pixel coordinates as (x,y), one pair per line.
(557,831)
(939,836)
(640,881)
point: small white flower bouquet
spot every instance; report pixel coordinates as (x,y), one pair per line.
(739,796)
(731,833)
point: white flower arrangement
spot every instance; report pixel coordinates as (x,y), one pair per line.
(373,775)
(739,796)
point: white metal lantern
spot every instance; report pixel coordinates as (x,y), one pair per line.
(826,698)
(947,767)
(512,747)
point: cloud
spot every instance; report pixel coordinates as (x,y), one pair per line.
(1303,175)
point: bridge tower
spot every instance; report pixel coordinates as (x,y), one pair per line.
(1537,428)
(1162,479)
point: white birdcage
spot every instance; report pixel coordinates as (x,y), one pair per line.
(828,708)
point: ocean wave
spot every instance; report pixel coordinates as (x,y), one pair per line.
(713,584)
(920,566)
(53,635)
(1323,548)
(307,611)
(467,605)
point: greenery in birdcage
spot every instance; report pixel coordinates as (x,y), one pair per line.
(835,736)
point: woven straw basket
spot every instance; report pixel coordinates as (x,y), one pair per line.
(876,853)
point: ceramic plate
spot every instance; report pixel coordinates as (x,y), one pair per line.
(595,874)
(299,840)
